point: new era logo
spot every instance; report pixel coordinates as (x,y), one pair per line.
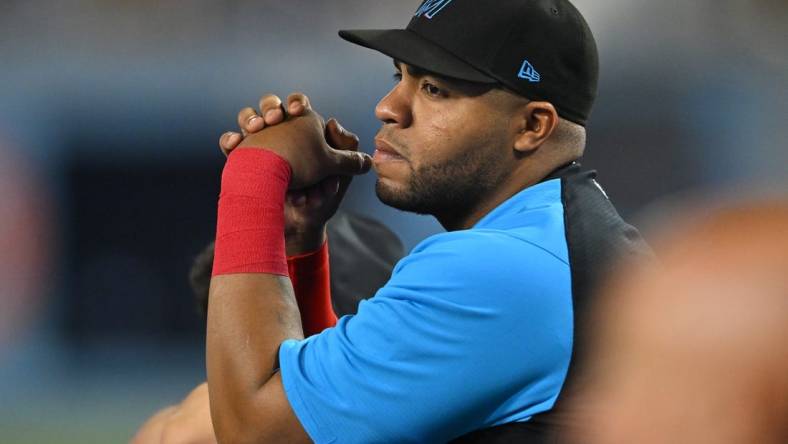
(528,72)
(431,8)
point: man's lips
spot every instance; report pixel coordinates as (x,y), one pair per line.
(385,152)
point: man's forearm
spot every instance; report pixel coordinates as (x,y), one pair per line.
(249,316)
(251,307)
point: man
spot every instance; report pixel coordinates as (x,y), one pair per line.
(474,335)
(694,351)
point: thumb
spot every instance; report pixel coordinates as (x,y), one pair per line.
(348,163)
(340,138)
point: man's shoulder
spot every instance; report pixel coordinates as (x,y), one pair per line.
(489,253)
(481,239)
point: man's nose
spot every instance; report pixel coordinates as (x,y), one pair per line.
(394,108)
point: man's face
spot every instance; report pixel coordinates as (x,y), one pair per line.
(444,144)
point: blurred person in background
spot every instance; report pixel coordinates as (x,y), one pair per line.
(24,247)
(694,350)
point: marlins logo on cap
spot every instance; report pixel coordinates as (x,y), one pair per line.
(430,8)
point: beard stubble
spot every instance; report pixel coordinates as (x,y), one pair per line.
(449,189)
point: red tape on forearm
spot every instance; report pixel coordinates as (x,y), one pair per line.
(310,275)
(250,225)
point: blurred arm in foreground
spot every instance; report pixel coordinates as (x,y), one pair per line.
(695,351)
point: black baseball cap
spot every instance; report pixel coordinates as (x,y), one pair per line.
(540,49)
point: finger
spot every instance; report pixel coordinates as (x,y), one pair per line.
(298,103)
(350,162)
(343,185)
(249,121)
(229,141)
(340,138)
(271,109)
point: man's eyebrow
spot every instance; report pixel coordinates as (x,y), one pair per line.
(420,72)
(462,86)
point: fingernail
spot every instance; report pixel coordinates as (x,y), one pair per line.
(295,107)
(271,114)
(252,120)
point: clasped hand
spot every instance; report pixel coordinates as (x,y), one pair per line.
(323,157)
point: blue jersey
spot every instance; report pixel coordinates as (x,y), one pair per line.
(474,329)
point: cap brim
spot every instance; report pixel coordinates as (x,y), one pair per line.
(412,49)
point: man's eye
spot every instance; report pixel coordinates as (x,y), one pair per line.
(432,90)
(397,77)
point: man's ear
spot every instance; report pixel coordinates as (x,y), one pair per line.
(537,122)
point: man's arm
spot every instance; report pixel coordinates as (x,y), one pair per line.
(252,309)
(306,212)
(190,421)
(249,315)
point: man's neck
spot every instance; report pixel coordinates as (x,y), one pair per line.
(517,183)
(454,222)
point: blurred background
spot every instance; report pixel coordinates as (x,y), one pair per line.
(110,112)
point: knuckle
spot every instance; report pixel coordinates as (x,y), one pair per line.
(298,96)
(245,114)
(270,101)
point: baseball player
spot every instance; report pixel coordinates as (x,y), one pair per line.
(477,336)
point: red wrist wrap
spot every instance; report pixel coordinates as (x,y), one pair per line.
(310,275)
(251,222)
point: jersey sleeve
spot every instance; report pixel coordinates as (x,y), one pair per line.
(465,325)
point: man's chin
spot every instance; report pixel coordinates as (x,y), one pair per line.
(385,191)
(397,198)
(390,195)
